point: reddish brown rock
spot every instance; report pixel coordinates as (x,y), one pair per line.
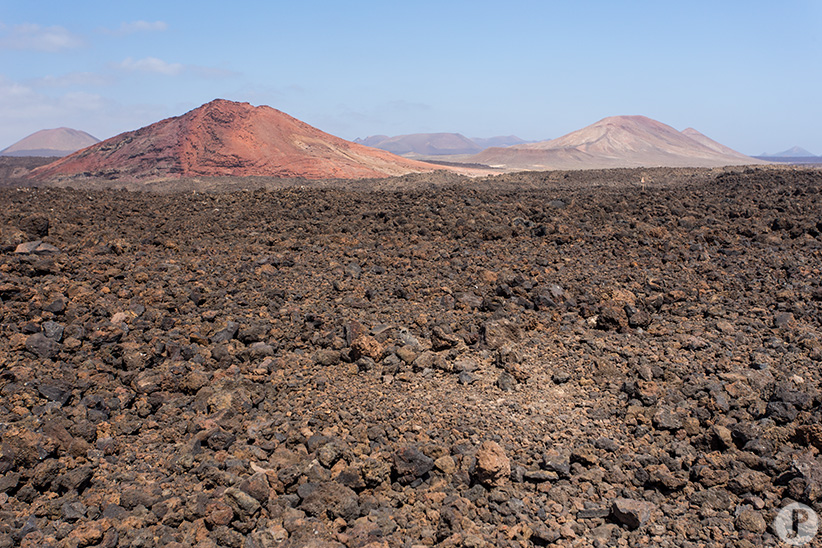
(219,513)
(367,346)
(493,466)
(87,534)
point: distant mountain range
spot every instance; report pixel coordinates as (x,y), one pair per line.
(793,152)
(51,142)
(501,141)
(228,139)
(436,144)
(617,141)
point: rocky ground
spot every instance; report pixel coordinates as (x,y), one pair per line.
(577,359)
(13,168)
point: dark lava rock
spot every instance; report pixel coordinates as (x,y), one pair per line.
(243,504)
(36,226)
(499,333)
(751,520)
(465,377)
(410,464)
(76,479)
(227,333)
(332,499)
(631,513)
(42,346)
(441,339)
(667,419)
(59,393)
(9,481)
(347,361)
(612,317)
(506,382)
(57,306)
(53,330)
(560,464)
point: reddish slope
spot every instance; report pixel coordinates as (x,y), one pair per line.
(618,141)
(224,138)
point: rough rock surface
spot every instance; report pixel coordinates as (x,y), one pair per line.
(13,169)
(313,367)
(493,467)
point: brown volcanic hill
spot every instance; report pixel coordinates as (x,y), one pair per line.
(713,145)
(51,142)
(426,144)
(224,138)
(617,141)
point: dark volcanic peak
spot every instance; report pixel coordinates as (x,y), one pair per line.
(617,141)
(225,138)
(51,142)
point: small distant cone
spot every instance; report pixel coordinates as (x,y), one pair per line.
(51,142)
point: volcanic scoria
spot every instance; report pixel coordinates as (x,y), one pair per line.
(543,359)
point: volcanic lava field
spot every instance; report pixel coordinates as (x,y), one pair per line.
(592,358)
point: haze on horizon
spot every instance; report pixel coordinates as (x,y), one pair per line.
(742,73)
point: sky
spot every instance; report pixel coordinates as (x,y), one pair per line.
(745,73)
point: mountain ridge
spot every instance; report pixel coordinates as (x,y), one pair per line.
(436,144)
(426,144)
(616,141)
(226,138)
(793,152)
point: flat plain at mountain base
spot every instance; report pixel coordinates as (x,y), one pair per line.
(546,359)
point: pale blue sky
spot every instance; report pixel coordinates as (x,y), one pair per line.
(746,73)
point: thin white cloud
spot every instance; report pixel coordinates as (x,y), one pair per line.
(150,65)
(25,110)
(137,26)
(19,104)
(153,65)
(33,37)
(71,79)
(77,101)
(19,101)
(12,91)
(211,73)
